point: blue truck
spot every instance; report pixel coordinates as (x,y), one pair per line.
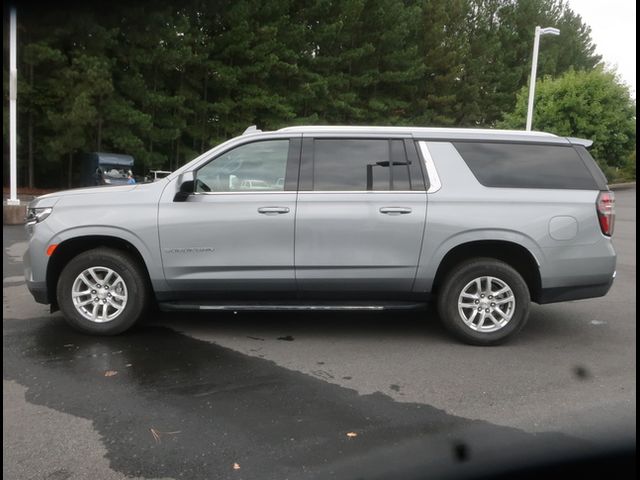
(100,168)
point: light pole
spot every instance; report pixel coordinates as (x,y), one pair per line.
(13,95)
(534,68)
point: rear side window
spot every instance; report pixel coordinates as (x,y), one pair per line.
(400,177)
(360,165)
(526,165)
(593,167)
(351,165)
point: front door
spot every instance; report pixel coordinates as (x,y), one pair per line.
(235,233)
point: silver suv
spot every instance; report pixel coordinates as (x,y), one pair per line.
(482,221)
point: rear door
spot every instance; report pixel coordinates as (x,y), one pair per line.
(360,215)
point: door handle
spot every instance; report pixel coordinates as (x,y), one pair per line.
(273,210)
(395,210)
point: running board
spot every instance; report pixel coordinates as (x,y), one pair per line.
(280,306)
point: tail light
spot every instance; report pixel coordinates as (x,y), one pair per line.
(606,207)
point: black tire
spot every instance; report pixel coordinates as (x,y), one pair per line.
(130,271)
(455,282)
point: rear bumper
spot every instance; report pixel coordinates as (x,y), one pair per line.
(563,294)
(577,272)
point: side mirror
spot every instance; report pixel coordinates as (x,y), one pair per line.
(186,188)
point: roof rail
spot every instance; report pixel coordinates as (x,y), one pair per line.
(251,129)
(417,130)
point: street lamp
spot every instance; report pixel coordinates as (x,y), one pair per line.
(13,95)
(534,68)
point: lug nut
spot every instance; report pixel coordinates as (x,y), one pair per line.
(477,301)
(487,310)
(479,309)
(93,292)
(98,286)
(490,297)
(482,295)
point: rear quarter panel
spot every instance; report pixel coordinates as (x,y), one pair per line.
(463,211)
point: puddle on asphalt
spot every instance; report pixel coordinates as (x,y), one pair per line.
(180,407)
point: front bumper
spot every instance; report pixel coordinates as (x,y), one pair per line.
(35,278)
(39,292)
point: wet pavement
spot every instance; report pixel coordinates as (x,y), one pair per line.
(310,395)
(167,405)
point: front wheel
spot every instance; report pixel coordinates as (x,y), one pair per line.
(484,302)
(102,291)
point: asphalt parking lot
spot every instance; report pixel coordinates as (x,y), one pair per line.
(295,395)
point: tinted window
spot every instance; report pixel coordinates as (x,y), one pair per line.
(351,164)
(591,164)
(400,171)
(526,166)
(258,166)
(361,165)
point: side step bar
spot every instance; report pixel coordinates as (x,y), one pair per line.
(283,306)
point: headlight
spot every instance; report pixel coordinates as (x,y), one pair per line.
(37,215)
(107,181)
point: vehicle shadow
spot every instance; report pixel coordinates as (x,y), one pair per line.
(545,325)
(423,323)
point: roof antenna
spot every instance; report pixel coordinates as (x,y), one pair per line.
(251,129)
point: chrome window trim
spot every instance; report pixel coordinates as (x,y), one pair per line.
(247,192)
(368,192)
(341,192)
(432,172)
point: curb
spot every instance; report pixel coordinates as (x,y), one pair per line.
(622,186)
(14,214)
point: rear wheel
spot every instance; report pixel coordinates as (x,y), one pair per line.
(484,301)
(102,291)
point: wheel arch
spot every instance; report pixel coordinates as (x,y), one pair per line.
(512,253)
(71,247)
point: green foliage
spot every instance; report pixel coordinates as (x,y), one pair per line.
(628,171)
(164,82)
(593,105)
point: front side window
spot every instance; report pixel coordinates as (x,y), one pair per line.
(256,167)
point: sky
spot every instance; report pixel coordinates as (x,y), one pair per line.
(613,30)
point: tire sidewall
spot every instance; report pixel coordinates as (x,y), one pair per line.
(460,277)
(123,265)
